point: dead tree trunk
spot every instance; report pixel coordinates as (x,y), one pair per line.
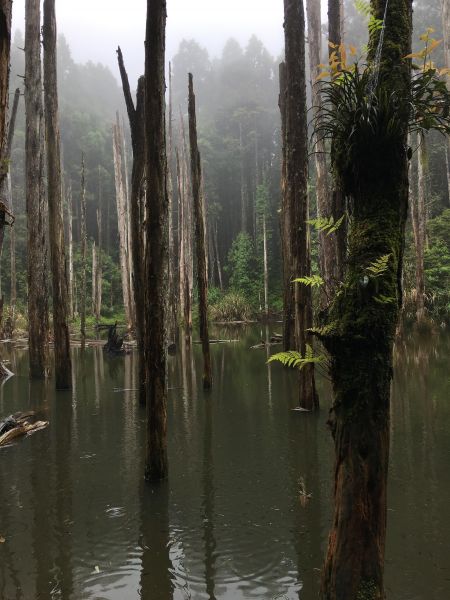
(63,366)
(5,51)
(446,35)
(173,295)
(419,221)
(122,222)
(327,246)
(296,189)
(216,246)
(200,235)
(83,240)
(35,196)
(188,229)
(136,120)
(99,270)
(156,259)
(266,268)
(6,202)
(70,250)
(288,289)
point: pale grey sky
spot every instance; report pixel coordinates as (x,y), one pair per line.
(94,28)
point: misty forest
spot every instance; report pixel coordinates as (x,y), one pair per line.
(225,308)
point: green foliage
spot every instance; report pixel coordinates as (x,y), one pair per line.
(437,267)
(294,359)
(365,9)
(325,225)
(323,331)
(311,281)
(242,268)
(379,266)
(233,306)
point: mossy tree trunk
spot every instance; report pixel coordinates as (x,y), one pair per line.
(200,235)
(136,120)
(157,234)
(361,341)
(296,188)
(35,195)
(63,365)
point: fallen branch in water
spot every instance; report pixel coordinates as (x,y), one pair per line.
(17,425)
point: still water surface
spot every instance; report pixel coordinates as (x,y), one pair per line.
(80,523)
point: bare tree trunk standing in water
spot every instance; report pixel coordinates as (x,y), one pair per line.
(360,345)
(35,195)
(288,288)
(186,237)
(70,248)
(173,286)
(200,234)
(5,51)
(156,260)
(136,120)
(121,203)
(63,365)
(296,188)
(83,255)
(6,203)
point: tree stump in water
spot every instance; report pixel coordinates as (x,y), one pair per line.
(114,345)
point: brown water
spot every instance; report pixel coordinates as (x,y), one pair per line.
(79,522)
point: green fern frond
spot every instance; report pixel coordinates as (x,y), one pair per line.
(312,281)
(379,267)
(326,225)
(294,359)
(322,331)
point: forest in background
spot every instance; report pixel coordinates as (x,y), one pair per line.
(239,140)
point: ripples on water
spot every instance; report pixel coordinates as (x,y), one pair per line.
(80,523)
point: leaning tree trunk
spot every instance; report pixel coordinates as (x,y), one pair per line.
(288,288)
(136,120)
(200,235)
(363,323)
(63,366)
(83,236)
(296,188)
(35,196)
(156,259)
